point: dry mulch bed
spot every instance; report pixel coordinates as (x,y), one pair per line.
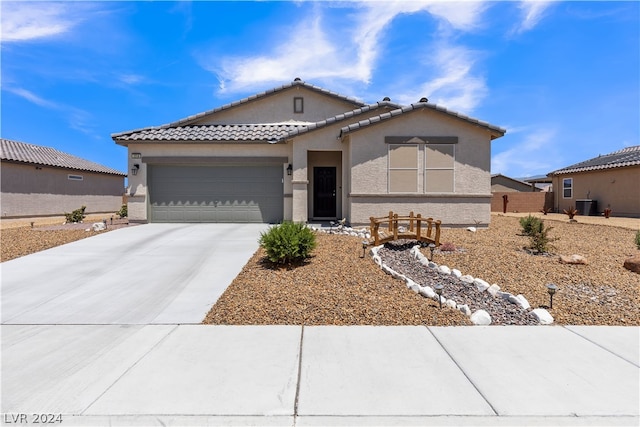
(338,287)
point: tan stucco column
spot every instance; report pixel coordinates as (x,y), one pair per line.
(300,200)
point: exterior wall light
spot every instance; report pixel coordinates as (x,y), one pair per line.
(551,288)
(439,288)
(135,169)
(290,169)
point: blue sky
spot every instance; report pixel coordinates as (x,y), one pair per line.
(561,77)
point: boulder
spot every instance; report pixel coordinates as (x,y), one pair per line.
(633,264)
(427,291)
(543,316)
(456,273)
(432,264)
(480,317)
(415,288)
(472,229)
(467,279)
(573,259)
(98,226)
(451,303)
(424,261)
(522,302)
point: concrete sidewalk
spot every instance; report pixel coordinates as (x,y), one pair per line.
(96,375)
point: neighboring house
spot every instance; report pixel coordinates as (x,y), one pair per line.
(42,181)
(543,182)
(607,181)
(302,153)
(503,183)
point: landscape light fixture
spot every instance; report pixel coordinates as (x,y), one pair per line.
(134,169)
(432,247)
(290,169)
(364,247)
(439,288)
(551,288)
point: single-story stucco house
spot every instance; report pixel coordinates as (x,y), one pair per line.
(303,153)
(503,183)
(43,181)
(607,181)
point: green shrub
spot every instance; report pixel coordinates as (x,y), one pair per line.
(539,237)
(76,216)
(122,213)
(638,239)
(529,223)
(288,242)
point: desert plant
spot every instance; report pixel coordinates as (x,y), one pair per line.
(528,224)
(571,212)
(540,239)
(607,212)
(545,210)
(123,212)
(638,239)
(288,242)
(76,216)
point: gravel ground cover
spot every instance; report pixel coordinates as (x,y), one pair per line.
(338,287)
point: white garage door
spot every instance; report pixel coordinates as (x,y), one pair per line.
(229,193)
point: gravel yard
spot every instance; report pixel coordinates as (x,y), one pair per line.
(338,287)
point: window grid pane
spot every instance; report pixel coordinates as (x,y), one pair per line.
(439,174)
(403,168)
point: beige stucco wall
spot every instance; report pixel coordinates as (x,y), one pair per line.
(618,189)
(468,204)
(27,191)
(279,108)
(138,186)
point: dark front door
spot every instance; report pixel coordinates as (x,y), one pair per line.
(324,192)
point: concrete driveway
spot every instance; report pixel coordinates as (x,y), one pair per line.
(148,274)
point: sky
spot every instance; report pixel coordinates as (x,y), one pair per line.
(561,77)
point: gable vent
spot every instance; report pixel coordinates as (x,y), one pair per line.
(424,100)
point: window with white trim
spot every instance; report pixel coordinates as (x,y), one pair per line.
(567,188)
(439,168)
(403,168)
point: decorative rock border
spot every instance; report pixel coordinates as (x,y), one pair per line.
(478,317)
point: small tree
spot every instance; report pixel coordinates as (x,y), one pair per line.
(539,238)
(288,242)
(529,223)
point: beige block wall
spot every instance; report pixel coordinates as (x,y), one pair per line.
(279,108)
(137,188)
(27,191)
(618,189)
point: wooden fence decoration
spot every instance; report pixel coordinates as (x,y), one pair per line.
(414,231)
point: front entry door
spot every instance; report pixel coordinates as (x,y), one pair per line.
(324,192)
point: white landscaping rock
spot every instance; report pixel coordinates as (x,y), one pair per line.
(456,273)
(428,292)
(480,317)
(432,264)
(493,289)
(415,288)
(467,279)
(451,303)
(377,260)
(522,302)
(99,226)
(444,269)
(472,229)
(464,308)
(481,285)
(425,262)
(543,316)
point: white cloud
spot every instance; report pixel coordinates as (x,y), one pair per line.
(22,21)
(535,154)
(532,14)
(453,83)
(314,52)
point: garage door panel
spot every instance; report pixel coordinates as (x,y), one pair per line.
(238,193)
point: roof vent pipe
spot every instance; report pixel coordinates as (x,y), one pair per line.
(424,100)
(386,98)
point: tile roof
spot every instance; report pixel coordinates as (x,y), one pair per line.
(21,152)
(497,131)
(269,132)
(629,156)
